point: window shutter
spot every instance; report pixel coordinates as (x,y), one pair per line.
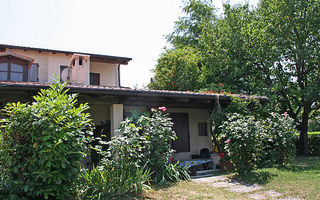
(33,73)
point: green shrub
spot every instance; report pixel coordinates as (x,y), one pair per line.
(42,145)
(146,142)
(243,141)
(278,141)
(172,173)
(314,143)
(119,179)
(253,143)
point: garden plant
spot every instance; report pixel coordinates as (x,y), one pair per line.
(41,145)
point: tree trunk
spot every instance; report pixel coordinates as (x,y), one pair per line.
(304,133)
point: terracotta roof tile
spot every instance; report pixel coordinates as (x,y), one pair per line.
(125,90)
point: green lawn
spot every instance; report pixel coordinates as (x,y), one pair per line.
(301,179)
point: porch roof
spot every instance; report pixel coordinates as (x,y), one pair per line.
(129,96)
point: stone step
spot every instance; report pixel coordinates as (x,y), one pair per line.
(204,172)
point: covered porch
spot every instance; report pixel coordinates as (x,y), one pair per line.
(109,106)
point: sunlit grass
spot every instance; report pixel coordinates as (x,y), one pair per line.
(301,179)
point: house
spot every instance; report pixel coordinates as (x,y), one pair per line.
(96,78)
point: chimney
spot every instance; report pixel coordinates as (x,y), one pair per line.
(80,69)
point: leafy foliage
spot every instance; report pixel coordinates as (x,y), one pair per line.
(42,144)
(145,143)
(245,107)
(272,49)
(115,180)
(251,142)
(314,144)
(177,69)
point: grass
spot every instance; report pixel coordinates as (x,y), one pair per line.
(301,179)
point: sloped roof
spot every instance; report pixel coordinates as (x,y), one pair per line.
(19,56)
(125,91)
(93,57)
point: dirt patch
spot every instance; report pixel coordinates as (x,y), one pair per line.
(210,179)
(245,188)
(272,193)
(224,184)
(257,196)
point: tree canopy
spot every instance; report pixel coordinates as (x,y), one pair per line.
(272,49)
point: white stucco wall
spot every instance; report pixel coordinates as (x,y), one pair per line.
(54,62)
(41,58)
(49,64)
(108,73)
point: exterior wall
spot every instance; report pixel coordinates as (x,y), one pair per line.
(196,142)
(99,113)
(108,73)
(41,58)
(54,62)
(195,116)
(49,64)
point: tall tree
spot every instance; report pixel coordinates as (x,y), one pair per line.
(189,29)
(180,67)
(273,50)
(288,32)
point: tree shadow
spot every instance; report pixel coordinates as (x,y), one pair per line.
(302,164)
(255,177)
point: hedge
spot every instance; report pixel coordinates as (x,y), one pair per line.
(314,143)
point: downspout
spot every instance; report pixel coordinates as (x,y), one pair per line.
(119,75)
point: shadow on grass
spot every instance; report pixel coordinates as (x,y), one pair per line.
(303,163)
(263,176)
(260,177)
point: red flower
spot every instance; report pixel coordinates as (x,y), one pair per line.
(221,155)
(171,159)
(221,84)
(228,141)
(221,91)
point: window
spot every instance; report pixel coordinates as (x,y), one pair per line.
(181,127)
(94,79)
(202,129)
(80,60)
(13,71)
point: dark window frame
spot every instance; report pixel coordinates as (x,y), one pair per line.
(10,61)
(202,129)
(92,81)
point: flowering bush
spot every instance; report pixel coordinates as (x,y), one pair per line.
(146,143)
(278,143)
(245,141)
(224,156)
(252,143)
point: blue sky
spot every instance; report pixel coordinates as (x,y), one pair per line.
(129,28)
